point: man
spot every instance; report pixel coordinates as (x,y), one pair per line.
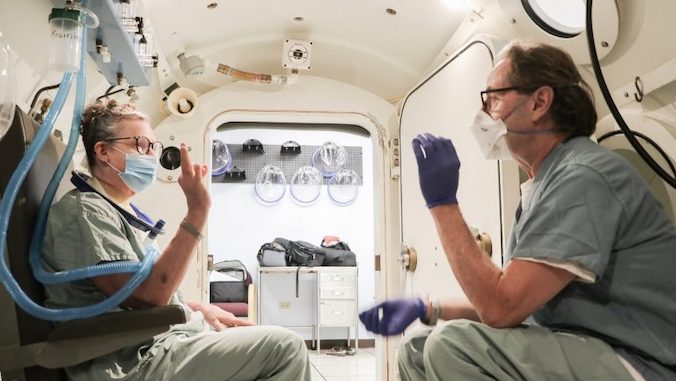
(590,257)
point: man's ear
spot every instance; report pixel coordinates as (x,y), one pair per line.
(543,98)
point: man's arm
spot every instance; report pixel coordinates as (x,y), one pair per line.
(449,310)
(501,298)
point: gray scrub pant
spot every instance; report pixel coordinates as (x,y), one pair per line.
(234,354)
(466,350)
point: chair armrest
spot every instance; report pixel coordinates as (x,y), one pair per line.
(78,341)
(115,322)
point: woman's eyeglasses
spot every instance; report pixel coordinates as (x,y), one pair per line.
(143,145)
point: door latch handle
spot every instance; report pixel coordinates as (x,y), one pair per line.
(408,258)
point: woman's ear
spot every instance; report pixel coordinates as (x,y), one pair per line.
(543,98)
(101,151)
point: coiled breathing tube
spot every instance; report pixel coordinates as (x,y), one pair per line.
(142,269)
(35,261)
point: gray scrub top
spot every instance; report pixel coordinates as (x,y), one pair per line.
(83,230)
(588,207)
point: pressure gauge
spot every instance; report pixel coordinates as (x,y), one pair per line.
(296,54)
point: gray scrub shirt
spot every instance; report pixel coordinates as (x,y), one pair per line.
(588,207)
(83,230)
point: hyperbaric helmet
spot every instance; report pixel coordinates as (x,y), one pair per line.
(221,160)
(343,187)
(270,184)
(306,184)
(329,158)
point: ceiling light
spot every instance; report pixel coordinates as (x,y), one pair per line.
(457,4)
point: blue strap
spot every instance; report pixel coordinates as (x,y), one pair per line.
(141,222)
(142,215)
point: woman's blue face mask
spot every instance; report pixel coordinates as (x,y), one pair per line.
(139,171)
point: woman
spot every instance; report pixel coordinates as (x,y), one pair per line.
(84,229)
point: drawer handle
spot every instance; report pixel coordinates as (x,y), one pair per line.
(337,313)
(338,293)
(337,277)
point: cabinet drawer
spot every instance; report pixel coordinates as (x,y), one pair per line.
(336,279)
(337,293)
(336,313)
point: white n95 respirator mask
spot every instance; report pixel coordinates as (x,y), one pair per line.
(490,136)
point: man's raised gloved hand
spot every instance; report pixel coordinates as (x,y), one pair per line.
(397,314)
(438,169)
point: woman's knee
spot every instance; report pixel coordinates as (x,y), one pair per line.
(288,339)
(294,344)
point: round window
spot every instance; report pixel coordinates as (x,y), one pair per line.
(561,18)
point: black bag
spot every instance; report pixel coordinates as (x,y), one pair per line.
(338,257)
(235,290)
(272,254)
(338,245)
(300,253)
(338,254)
(282,241)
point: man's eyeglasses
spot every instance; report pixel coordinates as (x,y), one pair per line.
(486,98)
(143,145)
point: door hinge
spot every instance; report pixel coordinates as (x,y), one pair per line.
(210,262)
(396,159)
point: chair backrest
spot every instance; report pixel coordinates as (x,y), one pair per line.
(12,147)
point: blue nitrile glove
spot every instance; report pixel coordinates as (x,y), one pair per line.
(438,169)
(397,315)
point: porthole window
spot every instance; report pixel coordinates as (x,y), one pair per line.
(560,18)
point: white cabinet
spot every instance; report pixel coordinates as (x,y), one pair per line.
(288,297)
(338,305)
(309,297)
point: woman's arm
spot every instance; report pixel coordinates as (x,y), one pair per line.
(216,317)
(170,268)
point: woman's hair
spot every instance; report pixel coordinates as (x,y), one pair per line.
(100,122)
(535,65)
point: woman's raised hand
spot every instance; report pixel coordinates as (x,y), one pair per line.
(192,182)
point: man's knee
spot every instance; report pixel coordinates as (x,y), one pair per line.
(410,355)
(449,340)
(412,346)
